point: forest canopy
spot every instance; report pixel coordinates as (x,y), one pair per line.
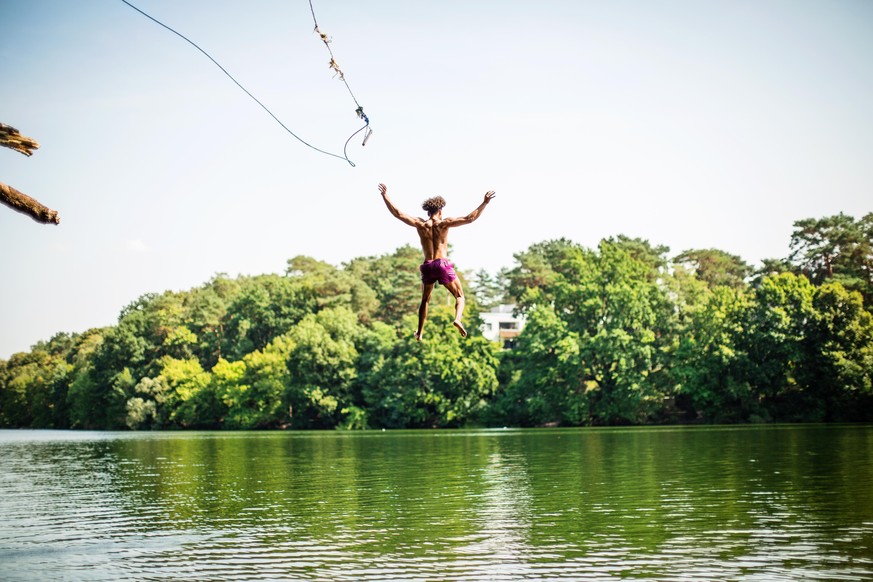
(623,333)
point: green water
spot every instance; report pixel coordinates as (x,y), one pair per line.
(746,503)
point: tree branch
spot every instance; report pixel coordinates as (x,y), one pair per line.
(26,205)
(10,138)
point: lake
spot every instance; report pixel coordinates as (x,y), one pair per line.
(668,503)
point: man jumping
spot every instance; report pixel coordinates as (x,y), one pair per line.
(434,235)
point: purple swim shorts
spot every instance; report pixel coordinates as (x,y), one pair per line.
(441,270)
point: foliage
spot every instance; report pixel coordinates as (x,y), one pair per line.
(836,248)
(441,382)
(548,388)
(709,365)
(716,268)
(490,291)
(322,367)
(613,318)
(617,334)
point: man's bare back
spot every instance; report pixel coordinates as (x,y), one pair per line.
(433,233)
(434,237)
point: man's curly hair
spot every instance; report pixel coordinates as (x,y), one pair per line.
(433,205)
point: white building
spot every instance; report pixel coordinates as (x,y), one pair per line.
(499,325)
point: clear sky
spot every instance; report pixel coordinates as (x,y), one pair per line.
(691,123)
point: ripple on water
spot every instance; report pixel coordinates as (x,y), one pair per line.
(547,505)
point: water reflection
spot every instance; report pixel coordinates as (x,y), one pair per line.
(750,503)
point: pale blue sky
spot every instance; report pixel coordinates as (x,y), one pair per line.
(694,124)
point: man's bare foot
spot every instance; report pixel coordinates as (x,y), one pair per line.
(418,335)
(460,327)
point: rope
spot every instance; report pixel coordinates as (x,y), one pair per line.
(238,84)
(333,65)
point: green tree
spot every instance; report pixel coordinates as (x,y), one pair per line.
(771,267)
(229,388)
(545,384)
(539,269)
(394,280)
(180,342)
(613,301)
(82,389)
(709,364)
(836,248)
(329,286)
(642,251)
(775,340)
(615,335)
(207,312)
(265,308)
(254,392)
(140,413)
(322,367)
(490,291)
(100,390)
(186,390)
(442,381)
(628,326)
(840,365)
(146,409)
(375,346)
(716,267)
(20,379)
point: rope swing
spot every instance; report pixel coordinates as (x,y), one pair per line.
(359,111)
(338,73)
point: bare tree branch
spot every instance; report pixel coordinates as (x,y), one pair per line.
(26,205)
(10,138)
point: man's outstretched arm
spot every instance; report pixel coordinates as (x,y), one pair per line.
(410,220)
(473,215)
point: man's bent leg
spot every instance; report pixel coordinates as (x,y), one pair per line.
(455,289)
(426,289)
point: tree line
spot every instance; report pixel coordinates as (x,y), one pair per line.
(622,333)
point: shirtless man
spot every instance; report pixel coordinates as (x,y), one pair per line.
(434,235)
